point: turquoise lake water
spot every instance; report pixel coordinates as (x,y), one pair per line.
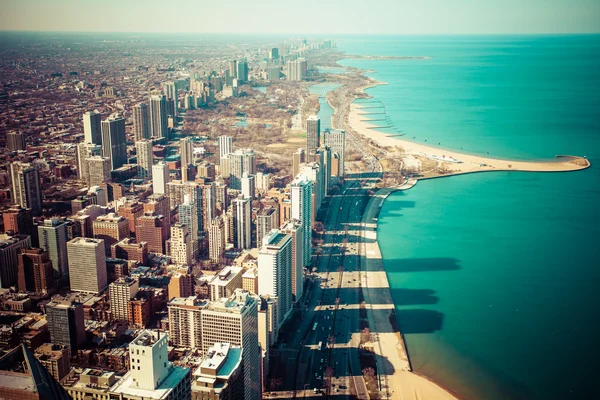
(496,276)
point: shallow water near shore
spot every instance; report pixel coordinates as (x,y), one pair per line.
(495,275)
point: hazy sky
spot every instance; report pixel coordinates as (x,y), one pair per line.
(304,16)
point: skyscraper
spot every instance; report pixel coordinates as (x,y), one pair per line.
(242,220)
(10,246)
(225,146)
(185,322)
(336,140)
(233,69)
(242,72)
(145,158)
(297,69)
(87,265)
(91,127)
(53,239)
(160,177)
(235,321)
(15,141)
(209,204)
(266,220)
(181,244)
(275,271)
(216,239)
(159,204)
(240,162)
(120,294)
(65,322)
(186,151)
(114,144)
(98,169)
(141,121)
(248,186)
(313,134)
(170,90)
(294,228)
(154,230)
(26,190)
(158,116)
(85,151)
(299,157)
(302,211)
(111,228)
(35,271)
(188,215)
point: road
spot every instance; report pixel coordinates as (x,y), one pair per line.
(330,313)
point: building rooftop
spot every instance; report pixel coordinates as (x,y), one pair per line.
(221,361)
(176,375)
(87,241)
(225,276)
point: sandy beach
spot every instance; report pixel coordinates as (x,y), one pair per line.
(456,162)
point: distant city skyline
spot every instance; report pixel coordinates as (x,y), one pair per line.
(313,17)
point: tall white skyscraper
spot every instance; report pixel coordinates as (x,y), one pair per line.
(314,173)
(188,215)
(240,162)
(242,219)
(216,239)
(225,146)
(274,271)
(302,211)
(313,134)
(26,189)
(181,244)
(145,158)
(53,238)
(91,127)
(248,186)
(84,151)
(160,177)
(158,116)
(141,121)
(114,144)
(87,265)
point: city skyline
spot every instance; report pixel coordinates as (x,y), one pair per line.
(381,17)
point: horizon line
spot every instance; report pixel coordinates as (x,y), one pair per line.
(307,34)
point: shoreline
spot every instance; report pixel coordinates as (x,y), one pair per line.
(402,382)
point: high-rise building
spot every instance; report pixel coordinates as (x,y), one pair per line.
(297,69)
(55,358)
(65,322)
(85,151)
(131,211)
(314,173)
(15,141)
(114,145)
(22,376)
(141,122)
(98,169)
(158,116)
(274,271)
(302,211)
(151,375)
(248,186)
(170,90)
(242,220)
(10,246)
(186,151)
(235,320)
(185,322)
(336,140)
(240,162)
(154,230)
(159,204)
(313,134)
(262,182)
(181,245)
(220,375)
(266,220)
(26,189)
(120,293)
(233,69)
(299,157)
(225,283)
(35,271)
(242,72)
(225,146)
(53,239)
(87,265)
(294,228)
(19,220)
(145,158)
(127,250)
(188,215)
(216,239)
(160,177)
(111,228)
(92,130)
(181,285)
